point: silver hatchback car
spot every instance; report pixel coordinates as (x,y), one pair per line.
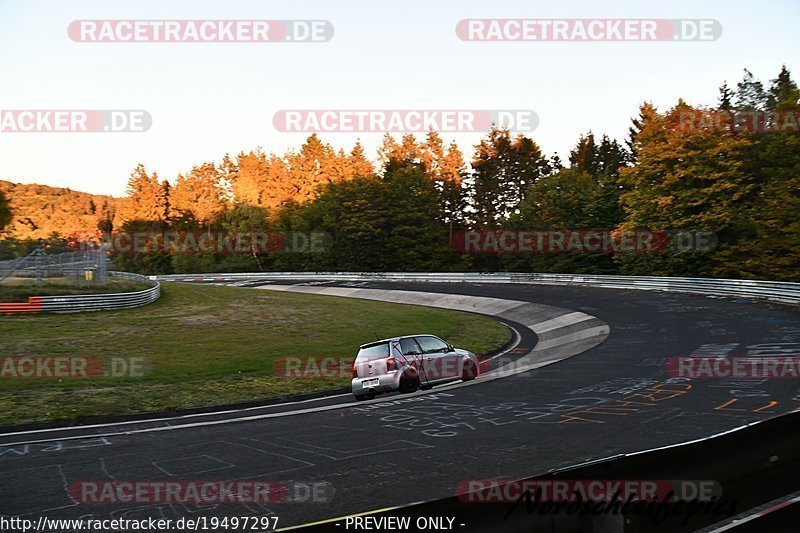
(409,363)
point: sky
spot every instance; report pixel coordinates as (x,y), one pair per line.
(209,99)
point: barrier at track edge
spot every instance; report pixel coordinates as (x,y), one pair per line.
(89,302)
(774,291)
(753,464)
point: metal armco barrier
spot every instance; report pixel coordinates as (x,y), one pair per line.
(750,466)
(774,291)
(89,302)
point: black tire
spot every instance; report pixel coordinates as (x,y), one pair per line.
(409,383)
(365,397)
(470,371)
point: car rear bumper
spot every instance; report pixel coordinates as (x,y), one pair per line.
(385,383)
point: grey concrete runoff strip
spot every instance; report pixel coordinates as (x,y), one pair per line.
(545,320)
(562,333)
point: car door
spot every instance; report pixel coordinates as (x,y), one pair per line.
(440,362)
(413,356)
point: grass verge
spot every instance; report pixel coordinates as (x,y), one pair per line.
(207,345)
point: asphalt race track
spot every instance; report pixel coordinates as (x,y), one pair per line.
(387,452)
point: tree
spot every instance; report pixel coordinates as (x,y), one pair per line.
(105,220)
(227,172)
(200,193)
(725,102)
(393,155)
(443,166)
(147,262)
(316,164)
(585,196)
(583,156)
(446,168)
(603,163)
(5,211)
(570,199)
(260,180)
(376,225)
(555,163)
(147,198)
(691,180)
(165,195)
(750,93)
(783,93)
(243,176)
(765,241)
(359,165)
(503,168)
(643,128)
(270,181)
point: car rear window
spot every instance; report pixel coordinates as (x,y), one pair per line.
(371,352)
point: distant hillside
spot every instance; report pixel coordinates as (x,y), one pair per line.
(39,210)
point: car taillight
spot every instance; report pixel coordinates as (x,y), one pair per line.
(355,370)
(390,364)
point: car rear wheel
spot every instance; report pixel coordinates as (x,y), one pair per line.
(469,371)
(409,383)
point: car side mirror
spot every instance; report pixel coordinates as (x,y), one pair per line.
(450,348)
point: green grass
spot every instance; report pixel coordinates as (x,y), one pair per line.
(208,345)
(20,289)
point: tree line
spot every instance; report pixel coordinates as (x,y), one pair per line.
(692,168)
